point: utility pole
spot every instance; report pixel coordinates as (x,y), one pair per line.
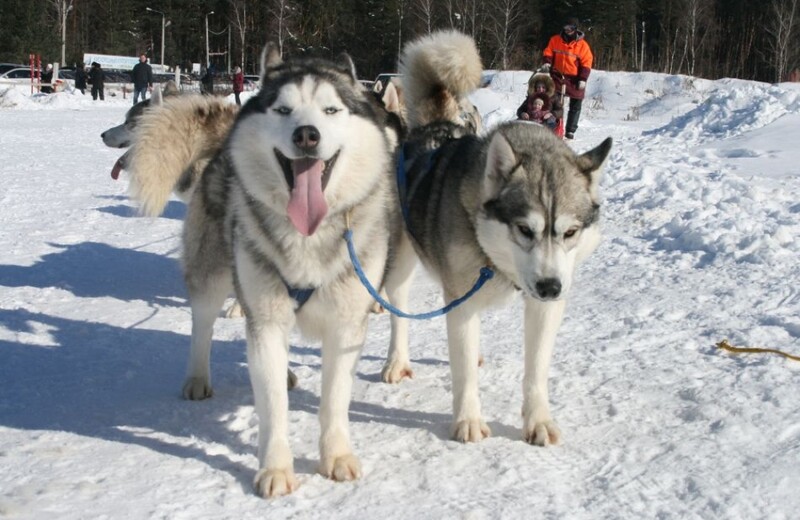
(207,58)
(163,18)
(64,10)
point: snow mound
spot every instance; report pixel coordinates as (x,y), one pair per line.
(734,108)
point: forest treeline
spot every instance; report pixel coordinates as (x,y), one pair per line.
(705,38)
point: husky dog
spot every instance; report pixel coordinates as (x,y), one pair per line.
(311,155)
(121,136)
(517,199)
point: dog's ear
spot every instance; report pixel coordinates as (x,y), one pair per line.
(590,162)
(347,62)
(500,161)
(270,58)
(391,98)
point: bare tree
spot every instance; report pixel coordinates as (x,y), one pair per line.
(282,13)
(424,11)
(401,11)
(782,29)
(239,21)
(504,18)
(463,15)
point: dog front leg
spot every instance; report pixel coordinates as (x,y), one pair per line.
(270,317)
(341,347)
(463,342)
(542,321)
(267,361)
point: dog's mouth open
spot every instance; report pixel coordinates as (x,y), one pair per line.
(307,178)
(119,166)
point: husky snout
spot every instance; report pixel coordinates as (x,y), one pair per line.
(548,288)
(306,138)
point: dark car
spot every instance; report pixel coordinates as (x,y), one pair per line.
(382,79)
(5,67)
(252,81)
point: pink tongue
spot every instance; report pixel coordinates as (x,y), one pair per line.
(116,169)
(307,205)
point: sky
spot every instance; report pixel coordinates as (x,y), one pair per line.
(700,216)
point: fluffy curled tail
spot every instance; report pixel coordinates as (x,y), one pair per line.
(174,142)
(439,70)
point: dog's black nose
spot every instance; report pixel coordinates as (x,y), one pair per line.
(306,137)
(548,288)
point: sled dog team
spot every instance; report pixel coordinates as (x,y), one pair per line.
(272,187)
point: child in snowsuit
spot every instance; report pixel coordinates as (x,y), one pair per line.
(542,87)
(537,109)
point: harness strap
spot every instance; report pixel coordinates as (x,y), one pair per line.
(301,296)
(405,191)
(486,274)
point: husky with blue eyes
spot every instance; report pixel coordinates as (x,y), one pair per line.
(311,155)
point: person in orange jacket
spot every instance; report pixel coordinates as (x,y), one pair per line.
(568,58)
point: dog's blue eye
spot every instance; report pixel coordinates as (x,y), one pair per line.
(284,111)
(525,231)
(332,110)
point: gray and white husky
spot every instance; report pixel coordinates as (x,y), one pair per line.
(310,155)
(517,200)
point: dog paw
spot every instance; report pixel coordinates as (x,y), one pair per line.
(291,380)
(394,372)
(542,433)
(235,310)
(197,389)
(474,430)
(341,469)
(274,482)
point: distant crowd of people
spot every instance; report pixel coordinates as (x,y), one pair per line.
(141,76)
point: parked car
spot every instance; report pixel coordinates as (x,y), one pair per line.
(5,67)
(17,75)
(382,79)
(252,82)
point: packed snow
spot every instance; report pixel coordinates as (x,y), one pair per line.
(701,216)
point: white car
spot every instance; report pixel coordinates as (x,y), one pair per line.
(17,75)
(22,76)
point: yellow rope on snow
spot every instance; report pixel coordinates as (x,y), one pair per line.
(749,350)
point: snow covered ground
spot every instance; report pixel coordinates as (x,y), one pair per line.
(701,219)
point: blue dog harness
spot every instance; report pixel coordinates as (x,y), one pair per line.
(406,192)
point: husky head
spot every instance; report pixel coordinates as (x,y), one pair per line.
(540,208)
(122,136)
(312,141)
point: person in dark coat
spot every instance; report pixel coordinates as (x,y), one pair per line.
(47,78)
(207,81)
(238,83)
(142,77)
(97,80)
(80,77)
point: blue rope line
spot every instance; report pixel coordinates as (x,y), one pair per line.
(486,274)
